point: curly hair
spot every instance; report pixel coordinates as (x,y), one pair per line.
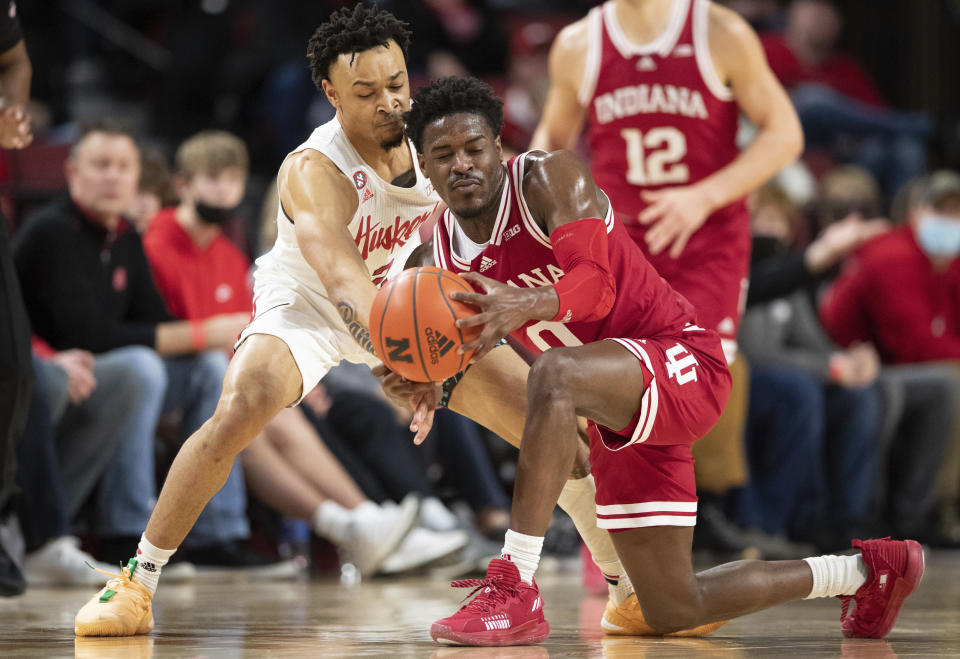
(451,96)
(352,30)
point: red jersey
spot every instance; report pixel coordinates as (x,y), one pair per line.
(659,116)
(890,295)
(519,253)
(196,282)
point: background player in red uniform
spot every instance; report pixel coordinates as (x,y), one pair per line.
(649,392)
(660,85)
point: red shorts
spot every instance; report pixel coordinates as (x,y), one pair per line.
(644,472)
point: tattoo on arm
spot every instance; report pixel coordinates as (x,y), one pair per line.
(359,333)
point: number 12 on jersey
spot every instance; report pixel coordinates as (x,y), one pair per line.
(654,158)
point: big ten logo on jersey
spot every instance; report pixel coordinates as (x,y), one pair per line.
(682,368)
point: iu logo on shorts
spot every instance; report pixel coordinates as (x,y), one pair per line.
(681,368)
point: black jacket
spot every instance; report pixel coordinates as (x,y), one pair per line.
(85,287)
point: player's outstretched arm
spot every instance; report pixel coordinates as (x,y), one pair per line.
(739,59)
(563,116)
(320,201)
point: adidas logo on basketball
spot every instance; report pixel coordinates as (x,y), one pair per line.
(486,263)
(437,344)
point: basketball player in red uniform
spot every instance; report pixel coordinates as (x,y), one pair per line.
(616,345)
(659,85)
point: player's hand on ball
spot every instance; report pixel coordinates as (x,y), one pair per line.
(502,309)
(422,397)
(675,214)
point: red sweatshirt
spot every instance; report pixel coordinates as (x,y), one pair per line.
(196,282)
(890,294)
(840,72)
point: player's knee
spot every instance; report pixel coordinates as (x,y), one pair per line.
(551,377)
(665,618)
(243,412)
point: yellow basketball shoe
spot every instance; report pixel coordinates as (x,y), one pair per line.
(122,608)
(627,620)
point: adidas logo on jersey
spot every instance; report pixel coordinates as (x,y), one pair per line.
(367,195)
(646,63)
(437,344)
(683,50)
(486,263)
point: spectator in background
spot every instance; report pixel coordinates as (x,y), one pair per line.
(900,292)
(456,37)
(101,413)
(815,410)
(200,273)
(88,287)
(849,217)
(846,192)
(835,98)
(154,191)
(15,367)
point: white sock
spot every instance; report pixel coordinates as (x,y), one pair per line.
(332,521)
(578,500)
(150,560)
(524,552)
(621,590)
(836,575)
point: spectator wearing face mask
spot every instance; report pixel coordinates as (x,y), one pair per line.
(901,292)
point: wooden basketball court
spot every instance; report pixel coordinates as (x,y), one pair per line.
(391,618)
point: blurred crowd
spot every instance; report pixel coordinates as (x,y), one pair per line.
(851,331)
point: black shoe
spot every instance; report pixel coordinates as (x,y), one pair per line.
(716,533)
(11,578)
(237,555)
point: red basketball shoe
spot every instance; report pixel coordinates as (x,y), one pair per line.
(506,612)
(896,568)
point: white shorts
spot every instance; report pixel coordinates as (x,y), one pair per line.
(306,322)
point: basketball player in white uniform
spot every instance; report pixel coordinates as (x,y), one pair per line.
(352,199)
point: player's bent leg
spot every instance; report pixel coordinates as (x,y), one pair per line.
(673,598)
(261,380)
(493,392)
(562,383)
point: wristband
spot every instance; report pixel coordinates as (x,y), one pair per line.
(197,335)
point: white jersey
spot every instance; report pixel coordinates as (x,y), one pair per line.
(385,225)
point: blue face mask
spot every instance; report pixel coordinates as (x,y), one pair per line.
(939,236)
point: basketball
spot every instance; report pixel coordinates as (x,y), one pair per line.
(412,324)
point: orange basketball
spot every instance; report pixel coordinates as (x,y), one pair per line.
(412,324)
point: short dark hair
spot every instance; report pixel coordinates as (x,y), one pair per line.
(352,30)
(448,96)
(107,125)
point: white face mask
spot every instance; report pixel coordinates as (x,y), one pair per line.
(939,235)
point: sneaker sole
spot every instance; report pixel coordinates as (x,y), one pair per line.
(529,633)
(410,511)
(696,632)
(424,559)
(916,564)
